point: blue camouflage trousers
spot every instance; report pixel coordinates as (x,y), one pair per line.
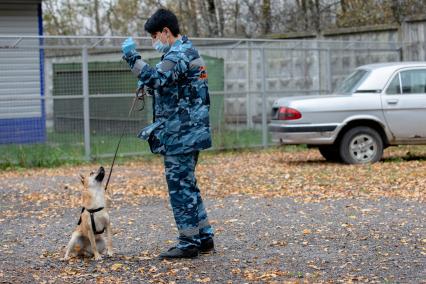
(185,199)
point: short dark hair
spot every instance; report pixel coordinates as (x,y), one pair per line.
(161,19)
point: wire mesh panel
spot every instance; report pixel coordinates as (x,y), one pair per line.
(42,90)
(111,93)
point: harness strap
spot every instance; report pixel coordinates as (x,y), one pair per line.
(79,220)
(92,219)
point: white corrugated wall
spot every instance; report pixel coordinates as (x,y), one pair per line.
(19,68)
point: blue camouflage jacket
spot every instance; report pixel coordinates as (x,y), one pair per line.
(181,100)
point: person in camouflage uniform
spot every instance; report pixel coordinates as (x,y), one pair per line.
(181,125)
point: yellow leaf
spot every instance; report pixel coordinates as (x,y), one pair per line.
(236,271)
(116,266)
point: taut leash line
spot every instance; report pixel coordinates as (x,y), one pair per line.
(137,97)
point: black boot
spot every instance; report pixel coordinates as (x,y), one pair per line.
(207,246)
(175,252)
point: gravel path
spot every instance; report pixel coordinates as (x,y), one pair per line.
(278,217)
(258,239)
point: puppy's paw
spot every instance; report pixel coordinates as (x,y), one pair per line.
(98,257)
(65,258)
(110,253)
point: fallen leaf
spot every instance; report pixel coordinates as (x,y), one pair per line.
(116,266)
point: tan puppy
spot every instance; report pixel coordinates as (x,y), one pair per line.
(87,238)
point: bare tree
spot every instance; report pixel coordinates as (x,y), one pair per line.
(218,18)
(236,15)
(61,17)
(186,11)
(93,12)
(266,16)
(96,11)
(122,17)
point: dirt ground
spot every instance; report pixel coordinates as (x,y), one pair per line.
(279,217)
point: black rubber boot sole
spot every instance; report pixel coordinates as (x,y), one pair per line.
(207,246)
(176,253)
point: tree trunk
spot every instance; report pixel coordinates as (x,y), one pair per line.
(344,6)
(193,22)
(219,17)
(205,29)
(303,7)
(97,19)
(316,15)
(266,17)
(211,10)
(236,15)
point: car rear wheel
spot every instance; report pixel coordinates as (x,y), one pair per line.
(330,153)
(361,145)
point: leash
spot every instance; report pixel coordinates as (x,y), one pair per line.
(140,95)
(92,211)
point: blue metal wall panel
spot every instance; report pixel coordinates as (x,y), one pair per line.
(22,130)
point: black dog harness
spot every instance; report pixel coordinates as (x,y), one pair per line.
(92,218)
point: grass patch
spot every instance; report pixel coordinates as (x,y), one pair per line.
(68,148)
(236,139)
(38,155)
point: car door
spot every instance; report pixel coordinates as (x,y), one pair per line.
(404,104)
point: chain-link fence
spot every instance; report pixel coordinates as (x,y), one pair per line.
(69,96)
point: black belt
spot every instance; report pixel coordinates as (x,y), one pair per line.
(92,218)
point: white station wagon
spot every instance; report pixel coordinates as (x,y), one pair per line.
(377,106)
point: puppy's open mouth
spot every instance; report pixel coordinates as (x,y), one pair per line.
(101,174)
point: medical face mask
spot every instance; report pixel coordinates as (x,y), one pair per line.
(161,47)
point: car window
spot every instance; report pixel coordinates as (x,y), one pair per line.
(394,87)
(413,81)
(351,82)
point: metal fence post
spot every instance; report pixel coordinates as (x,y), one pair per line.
(86,112)
(401,53)
(248,99)
(329,72)
(264,98)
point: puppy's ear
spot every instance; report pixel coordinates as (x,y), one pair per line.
(82,179)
